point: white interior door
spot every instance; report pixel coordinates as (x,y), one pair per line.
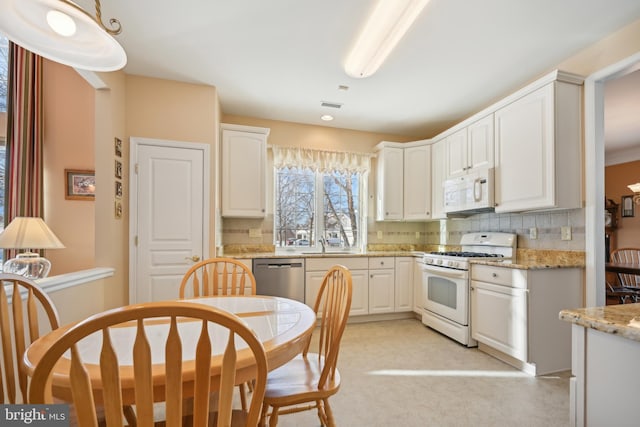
(169,215)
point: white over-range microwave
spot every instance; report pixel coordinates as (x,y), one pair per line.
(470,192)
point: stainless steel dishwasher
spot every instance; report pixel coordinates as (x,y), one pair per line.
(280,277)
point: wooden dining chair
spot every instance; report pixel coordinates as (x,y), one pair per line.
(19,326)
(214,326)
(628,286)
(220,277)
(308,381)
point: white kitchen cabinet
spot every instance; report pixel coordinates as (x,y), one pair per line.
(390,186)
(403,181)
(438,176)
(470,148)
(381,285)
(403,300)
(537,149)
(514,315)
(499,318)
(417,182)
(316,268)
(243,165)
(381,291)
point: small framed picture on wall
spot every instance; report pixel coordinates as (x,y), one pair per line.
(627,206)
(118,190)
(118,169)
(118,147)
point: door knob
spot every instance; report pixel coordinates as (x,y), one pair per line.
(194,258)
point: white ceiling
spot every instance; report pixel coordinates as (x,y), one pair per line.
(279,59)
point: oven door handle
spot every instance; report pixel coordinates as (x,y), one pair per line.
(446,272)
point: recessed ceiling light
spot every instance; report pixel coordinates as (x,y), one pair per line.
(326,117)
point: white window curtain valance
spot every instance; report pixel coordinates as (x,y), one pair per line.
(319,160)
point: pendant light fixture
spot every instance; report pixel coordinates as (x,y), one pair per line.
(384,28)
(63,32)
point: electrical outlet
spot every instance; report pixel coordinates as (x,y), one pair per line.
(533,233)
(565,233)
(379,234)
(417,234)
(255,232)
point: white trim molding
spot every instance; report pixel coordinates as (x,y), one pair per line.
(69,280)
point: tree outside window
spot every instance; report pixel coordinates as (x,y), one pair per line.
(310,206)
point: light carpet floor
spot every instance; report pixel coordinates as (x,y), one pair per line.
(401,373)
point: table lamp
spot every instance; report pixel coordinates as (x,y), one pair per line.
(28,233)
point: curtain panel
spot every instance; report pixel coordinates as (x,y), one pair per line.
(23,167)
(320,161)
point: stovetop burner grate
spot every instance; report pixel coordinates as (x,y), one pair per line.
(466,254)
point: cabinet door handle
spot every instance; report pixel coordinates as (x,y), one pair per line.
(494,274)
(472,288)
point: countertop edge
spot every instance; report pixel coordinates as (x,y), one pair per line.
(612,320)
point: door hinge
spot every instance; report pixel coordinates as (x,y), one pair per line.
(136,168)
(135,241)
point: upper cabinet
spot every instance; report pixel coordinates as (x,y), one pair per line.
(403,180)
(417,182)
(470,148)
(538,149)
(244,155)
(390,184)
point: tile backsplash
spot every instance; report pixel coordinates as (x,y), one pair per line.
(547,225)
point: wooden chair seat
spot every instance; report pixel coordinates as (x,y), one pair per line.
(311,378)
(297,381)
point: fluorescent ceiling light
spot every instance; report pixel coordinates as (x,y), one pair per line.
(63,32)
(383,30)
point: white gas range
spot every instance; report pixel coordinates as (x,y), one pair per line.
(445,282)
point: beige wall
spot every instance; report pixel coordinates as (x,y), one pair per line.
(617,177)
(111,233)
(316,137)
(69,126)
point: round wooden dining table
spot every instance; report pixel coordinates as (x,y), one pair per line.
(282,325)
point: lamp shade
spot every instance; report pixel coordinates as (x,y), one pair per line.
(61,31)
(29,233)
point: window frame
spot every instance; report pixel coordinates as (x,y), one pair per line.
(319,225)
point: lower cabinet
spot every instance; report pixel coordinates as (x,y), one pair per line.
(381,291)
(404,284)
(380,284)
(515,315)
(499,318)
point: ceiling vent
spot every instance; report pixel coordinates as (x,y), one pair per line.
(330,104)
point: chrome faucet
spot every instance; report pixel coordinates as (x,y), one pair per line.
(323,242)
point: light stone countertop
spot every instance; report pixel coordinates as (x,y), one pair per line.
(538,259)
(611,319)
(283,254)
(526,259)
